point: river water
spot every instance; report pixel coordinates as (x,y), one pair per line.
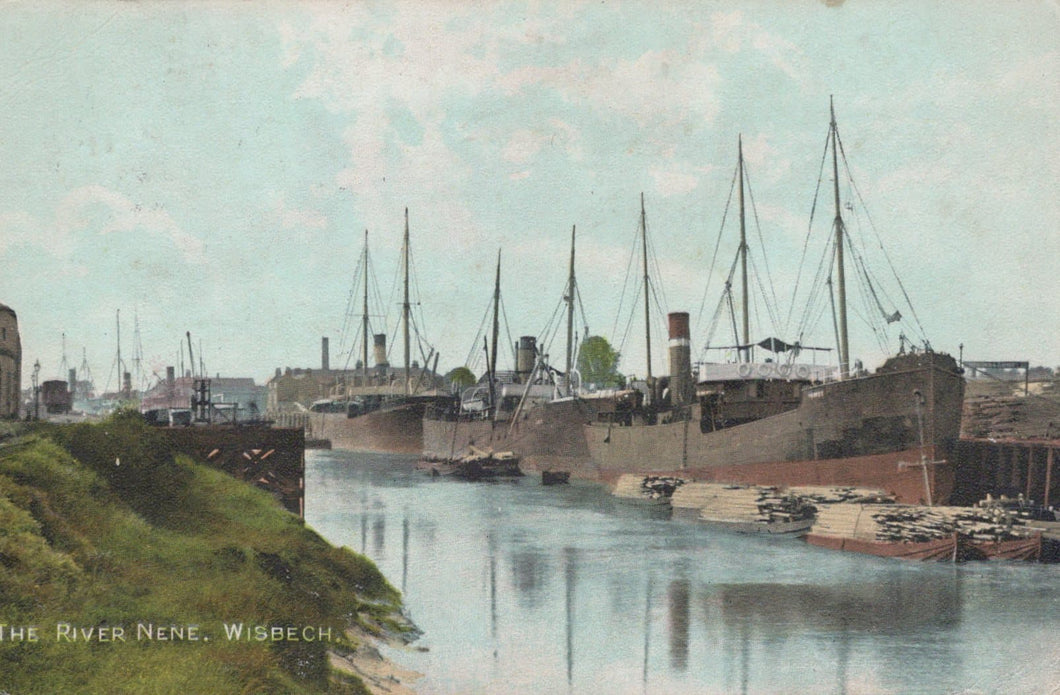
(521,588)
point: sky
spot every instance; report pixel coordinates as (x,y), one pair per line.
(175,167)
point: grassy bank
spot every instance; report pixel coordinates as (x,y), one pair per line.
(101,526)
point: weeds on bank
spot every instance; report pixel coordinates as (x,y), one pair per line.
(101,525)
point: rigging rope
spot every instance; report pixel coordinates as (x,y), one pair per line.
(809,230)
(717,246)
(886,255)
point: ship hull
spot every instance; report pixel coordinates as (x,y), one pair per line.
(395,429)
(863,432)
(546,437)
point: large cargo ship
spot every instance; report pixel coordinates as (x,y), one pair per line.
(746,427)
(380,408)
(786,423)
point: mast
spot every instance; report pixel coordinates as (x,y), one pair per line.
(496,333)
(364,317)
(570,310)
(121,365)
(647,317)
(746,352)
(844,346)
(405,304)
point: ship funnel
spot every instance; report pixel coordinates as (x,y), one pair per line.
(379,349)
(325,355)
(126,385)
(171,376)
(525,355)
(681,391)
(71,380)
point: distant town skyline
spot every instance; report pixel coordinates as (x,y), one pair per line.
(212,168)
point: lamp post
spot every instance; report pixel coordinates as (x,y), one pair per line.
(36,390)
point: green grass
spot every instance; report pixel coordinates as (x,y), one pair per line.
(161,539)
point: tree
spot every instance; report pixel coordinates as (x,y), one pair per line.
(460,378)
(598,363)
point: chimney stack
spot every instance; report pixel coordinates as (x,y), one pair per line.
(380,350)
(681,391)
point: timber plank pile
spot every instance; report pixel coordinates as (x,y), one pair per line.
(821,495)
(899,523)
(748,508)
(648,488)
(992,416)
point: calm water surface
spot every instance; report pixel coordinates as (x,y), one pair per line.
(521,588)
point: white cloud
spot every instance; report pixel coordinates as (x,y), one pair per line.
(670,182)
(119,214)
(289,219)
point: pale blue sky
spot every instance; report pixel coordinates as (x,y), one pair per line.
(212,166)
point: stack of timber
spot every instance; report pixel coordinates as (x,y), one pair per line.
(820,495)
(747,509)
(886,530)
(647,488)
(992,416)
(924,533)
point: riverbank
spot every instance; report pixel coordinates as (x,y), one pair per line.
(126,569)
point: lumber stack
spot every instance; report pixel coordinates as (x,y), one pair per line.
(820,495)
(992,416)
(881,522)
(646,487)
(740,503)
(900,523)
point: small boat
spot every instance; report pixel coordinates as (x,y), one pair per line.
(793,527)
(478,465)
(555,477)
(1027,548)
(939,549)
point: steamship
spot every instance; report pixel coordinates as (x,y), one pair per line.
(380,408)
(780,421)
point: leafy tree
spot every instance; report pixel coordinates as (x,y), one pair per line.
(460,378)
(598,363)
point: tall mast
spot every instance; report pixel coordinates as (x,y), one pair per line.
(364,316)
(570,309)
(405,305)
(496,332)
(746,352)
(647,316)
(844,346)
(121,365)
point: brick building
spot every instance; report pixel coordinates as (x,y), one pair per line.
(10,364)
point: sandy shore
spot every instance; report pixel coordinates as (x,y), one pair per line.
(380,675)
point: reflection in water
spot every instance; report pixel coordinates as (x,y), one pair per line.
(379,535)
(491,545)
(755,612)
(647,632)
(522,589)
(678,595)
(569,555)
(364,531)
(530,574)
(405,552)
